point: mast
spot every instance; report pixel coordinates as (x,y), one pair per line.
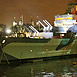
(31,21)
(14,22)
(21,21)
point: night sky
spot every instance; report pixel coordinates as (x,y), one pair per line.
(45,9)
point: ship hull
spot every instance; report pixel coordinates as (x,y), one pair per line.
(26,48)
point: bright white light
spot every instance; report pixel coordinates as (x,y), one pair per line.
(62,34)
(14,23)
(3,41)
(8,31)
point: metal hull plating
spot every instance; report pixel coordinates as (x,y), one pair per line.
(26,48)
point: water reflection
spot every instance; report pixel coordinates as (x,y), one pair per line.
(51,68)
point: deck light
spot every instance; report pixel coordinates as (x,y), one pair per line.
(3,41)
(8,31)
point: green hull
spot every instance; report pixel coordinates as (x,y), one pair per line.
(26,48)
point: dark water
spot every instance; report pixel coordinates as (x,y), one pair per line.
(48,68)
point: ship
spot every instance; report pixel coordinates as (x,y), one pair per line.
(26,42)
